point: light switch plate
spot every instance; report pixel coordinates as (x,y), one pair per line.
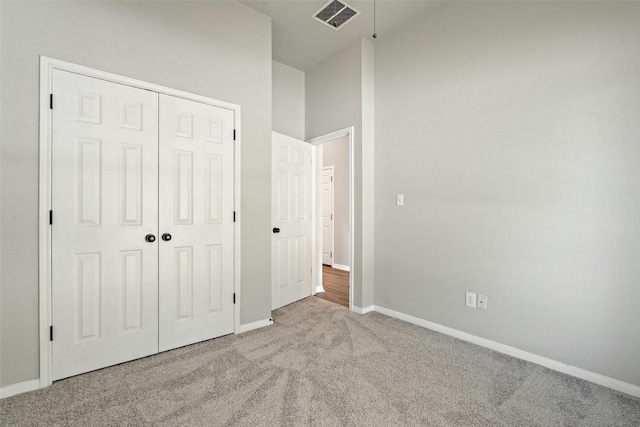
(470,299)
(399,199)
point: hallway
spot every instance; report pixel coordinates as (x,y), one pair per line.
(336,286)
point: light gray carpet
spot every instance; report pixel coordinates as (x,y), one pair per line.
(322,365)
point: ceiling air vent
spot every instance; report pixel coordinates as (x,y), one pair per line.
(335,14)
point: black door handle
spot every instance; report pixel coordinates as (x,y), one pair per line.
(150,238)
(276,230)
(166,237)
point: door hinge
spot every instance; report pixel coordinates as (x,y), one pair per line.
(234,134)
(330,254)
(50,217)
(234,297)
(331,179)
(331,216)
(50,333)
(51,101)
(234,216)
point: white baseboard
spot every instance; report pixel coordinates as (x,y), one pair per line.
(363,310)
(23,387)
(318,289)
(254,325)
(593,377)
(342,267)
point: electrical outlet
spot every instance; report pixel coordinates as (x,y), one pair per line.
(482,302)
(399,199)
(471,299)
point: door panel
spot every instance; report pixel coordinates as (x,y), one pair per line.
(183,189)
(196,209)
(282,195)
(104,202)
(213,269)
(301,259)
(291,213)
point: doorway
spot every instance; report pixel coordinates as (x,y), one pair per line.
(333,188)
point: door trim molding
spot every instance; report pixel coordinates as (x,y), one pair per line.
(317,257)
(47,66)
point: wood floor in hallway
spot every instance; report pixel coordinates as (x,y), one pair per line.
(336,285)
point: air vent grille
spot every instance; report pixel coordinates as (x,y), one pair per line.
(335,14)
(329,10)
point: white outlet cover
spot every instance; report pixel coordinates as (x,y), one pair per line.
(470,300)
(399,199)
(482,301)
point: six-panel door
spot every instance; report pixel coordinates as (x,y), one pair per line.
(104,201)
(196,210)
(291,217)
(327,215)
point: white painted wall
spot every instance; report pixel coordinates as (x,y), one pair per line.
(367,158)
(336,91)
(216,49)
(288,100)
(336,153)
(512,130)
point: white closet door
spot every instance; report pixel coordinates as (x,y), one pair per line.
(291,217)
(104,201)
(196,211)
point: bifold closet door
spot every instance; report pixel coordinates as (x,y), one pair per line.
(196,222)
(104,205)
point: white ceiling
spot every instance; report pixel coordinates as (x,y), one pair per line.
(302,42)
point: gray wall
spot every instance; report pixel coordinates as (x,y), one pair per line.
(288,100)
(335,92)
(512,130)
(336,153)
(217,49)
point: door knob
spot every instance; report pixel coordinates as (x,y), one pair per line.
(166,237)
(150,238)
(276,230)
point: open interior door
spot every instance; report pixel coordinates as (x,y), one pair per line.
(291,219)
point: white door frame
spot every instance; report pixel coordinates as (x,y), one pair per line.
(333,234)
(316,280)
(47,65)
